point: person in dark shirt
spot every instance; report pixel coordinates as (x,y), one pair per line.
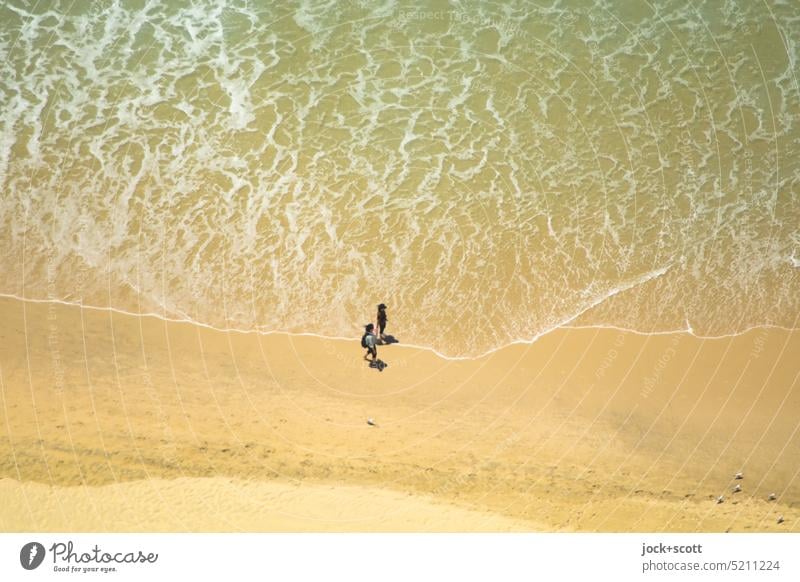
(381,320)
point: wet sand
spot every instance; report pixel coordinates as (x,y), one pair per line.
(124,423)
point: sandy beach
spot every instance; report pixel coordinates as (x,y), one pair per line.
(117,422)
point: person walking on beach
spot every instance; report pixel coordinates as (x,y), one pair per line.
(381,320)
(368,341)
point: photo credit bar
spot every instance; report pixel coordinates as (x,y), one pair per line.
(401,557)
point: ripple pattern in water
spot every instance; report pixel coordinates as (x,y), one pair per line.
(489,170)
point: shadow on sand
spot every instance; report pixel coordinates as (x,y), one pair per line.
(379,365)
(387,339)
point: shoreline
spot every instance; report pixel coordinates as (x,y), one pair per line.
(489,352)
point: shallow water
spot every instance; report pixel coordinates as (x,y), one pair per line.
(489,171)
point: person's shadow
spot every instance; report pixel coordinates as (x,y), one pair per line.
(379,365)
(388,339)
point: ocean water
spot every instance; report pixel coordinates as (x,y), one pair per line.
(490,170)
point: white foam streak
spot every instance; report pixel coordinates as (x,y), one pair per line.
(189,321)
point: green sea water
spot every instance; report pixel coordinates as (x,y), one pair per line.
(490,170)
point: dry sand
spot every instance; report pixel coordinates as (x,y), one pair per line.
(124,423)
(220,504)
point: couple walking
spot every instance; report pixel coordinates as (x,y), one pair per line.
(369,340)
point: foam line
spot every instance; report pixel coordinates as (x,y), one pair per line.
(685,331)
(561,325)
